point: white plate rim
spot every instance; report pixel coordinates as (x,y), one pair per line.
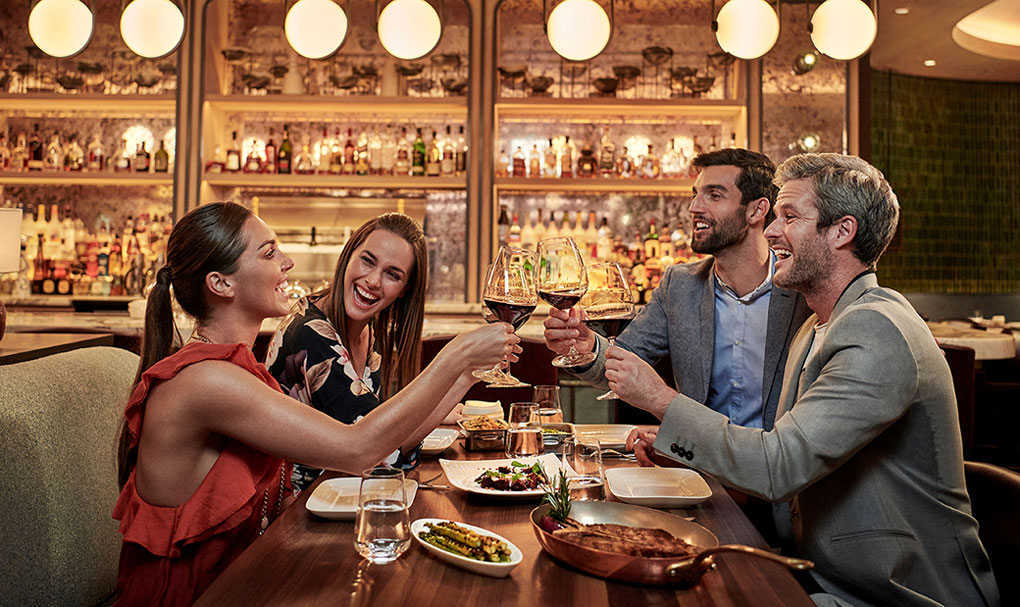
(616,482)
(322,508)
(448,437)
(550,462)
(516,556)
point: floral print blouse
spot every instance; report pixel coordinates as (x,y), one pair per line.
(313,366)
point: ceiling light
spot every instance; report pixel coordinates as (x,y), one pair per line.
(746,28)
(578,29)
(409,29)
(901,11)
(60,28)
(929,63)
(805,62)
(315,28)
(843,29)
(152,28)
(809,142)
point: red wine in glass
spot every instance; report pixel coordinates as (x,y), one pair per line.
(510,312)
(562,300)
(608,327)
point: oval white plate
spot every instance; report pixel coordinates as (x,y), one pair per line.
(337,498)
(439,440)
(482,567)
(658,487)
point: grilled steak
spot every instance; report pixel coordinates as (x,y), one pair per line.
(634,541)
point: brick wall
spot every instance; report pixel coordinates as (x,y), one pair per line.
(951,151)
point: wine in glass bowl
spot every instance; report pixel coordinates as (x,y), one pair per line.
(509,296)
(514,312)
(562,281)
(608,304)
(608,320)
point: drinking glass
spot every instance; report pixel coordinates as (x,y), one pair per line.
(582,463)
(510,296)
(524,434)
(382,528)
(608,305)
(562,281)
(548,399)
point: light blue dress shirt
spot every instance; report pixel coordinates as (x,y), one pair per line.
(741,324)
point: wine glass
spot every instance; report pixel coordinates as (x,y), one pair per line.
(608,305)
(561,283)
(510,296)
(382,528)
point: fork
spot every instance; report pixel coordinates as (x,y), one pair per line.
(614,454)
(427,484)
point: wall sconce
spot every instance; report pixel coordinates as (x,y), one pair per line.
(60,28)
(808,142)
(315,29)
(579,29)
(408,29)
(843,29)
(746,28)
(152,28)
(804,63)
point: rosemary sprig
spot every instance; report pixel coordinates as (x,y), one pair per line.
(557,495)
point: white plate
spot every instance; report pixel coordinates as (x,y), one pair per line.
(462,473)
(337,498)
(658,487)
(482,567)
(610,436)
(439,440)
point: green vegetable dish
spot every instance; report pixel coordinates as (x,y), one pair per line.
(451,537)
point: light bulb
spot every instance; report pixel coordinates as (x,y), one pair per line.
(747,28)
(843,29)
(578,29)
(152,28)
(315,28)
(60,28)
(409,29)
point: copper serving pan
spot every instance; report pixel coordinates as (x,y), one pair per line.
(685,571)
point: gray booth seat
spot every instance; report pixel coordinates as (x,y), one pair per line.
(59,417)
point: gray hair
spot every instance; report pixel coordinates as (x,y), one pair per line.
(847,185)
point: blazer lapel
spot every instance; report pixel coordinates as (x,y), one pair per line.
(794,365)
(706,338)
(780,324)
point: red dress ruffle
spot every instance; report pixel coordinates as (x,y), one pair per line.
(171,555)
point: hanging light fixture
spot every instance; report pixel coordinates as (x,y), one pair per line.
(843,29)
(579,29)
(409,29)
(60,28)
(152,28)
(746,28)
(315,28)
(804,62)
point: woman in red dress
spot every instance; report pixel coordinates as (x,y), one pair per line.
(207,472)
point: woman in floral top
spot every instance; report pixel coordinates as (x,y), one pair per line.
(358,343)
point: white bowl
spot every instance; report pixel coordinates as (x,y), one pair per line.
(658,487)
(477,408)
(481,567)
(439,440)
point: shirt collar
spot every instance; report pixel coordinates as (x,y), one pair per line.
(760,290)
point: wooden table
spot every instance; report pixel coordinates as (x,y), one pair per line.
(304,560)
(986,345)
(19,347)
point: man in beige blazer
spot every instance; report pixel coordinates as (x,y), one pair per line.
(866,451)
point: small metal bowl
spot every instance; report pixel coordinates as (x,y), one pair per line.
(344,82)
(454,86)
(421,85)
(574,70)
(235,54)
(168,69)
(606,86)
(626,71)
(657,55)
(682,72)
(539,84)
(279,71)
(365,71)
(69,82)
(147,79)
(446,61)
(89,67)
(23,69)
(410,69)
(700,84)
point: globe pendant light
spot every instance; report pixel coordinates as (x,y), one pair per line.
(152,28)
(578,29)
(60,28)
(843,29)
(409,29)
(746,28)
(315,28)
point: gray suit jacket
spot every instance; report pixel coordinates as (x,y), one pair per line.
(680,321)
(867,449)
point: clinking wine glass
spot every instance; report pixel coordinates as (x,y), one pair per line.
(608,304)
(561,282)
(510,296)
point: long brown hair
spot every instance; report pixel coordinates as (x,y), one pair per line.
(397,328)
(207,239)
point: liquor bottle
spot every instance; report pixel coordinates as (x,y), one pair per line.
(325,156)
(19,155)
(218,162)
(336,154)
(253,163)
(534,162)
(539,228)
(714,145)
(142,159)
(519,166)
(528,235)
(580,237)
(733,141)
(41,268)
(591,236)
(54,159)
(96,155)
(304,164)
(161,159)
(233,163)
(433,158)
(692,172)
(552,230)
(665,242)
(448,166)
(285,154)
(503,225)
(650,168)
(35,150)
(651,242)
(388,154)
(462,153)
(402,164)
(514,237)
(503,164)
(74,156)
(604,245)
(624,165)
(567,159)
(670,164)
(53,228)
(272,154)
(361,154)
(418,156)
(550,163)
(121,160)
(349,150)
(5,154)
(587,163)
(375,153)
(607,155)
(41,227)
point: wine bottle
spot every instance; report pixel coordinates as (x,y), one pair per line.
(418,156)
(285,153)
(233,163)
(272,154)
(142,159)
(161,160)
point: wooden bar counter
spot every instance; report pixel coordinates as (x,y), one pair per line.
(305,560)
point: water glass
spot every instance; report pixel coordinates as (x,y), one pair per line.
(548,399)
(382,528)
(582,462)
(524,434)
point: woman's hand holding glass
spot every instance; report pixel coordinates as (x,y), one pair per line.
(486,346)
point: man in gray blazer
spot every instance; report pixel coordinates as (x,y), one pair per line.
(726,328)
(866,447)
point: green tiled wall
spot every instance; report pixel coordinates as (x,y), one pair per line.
(951,151)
